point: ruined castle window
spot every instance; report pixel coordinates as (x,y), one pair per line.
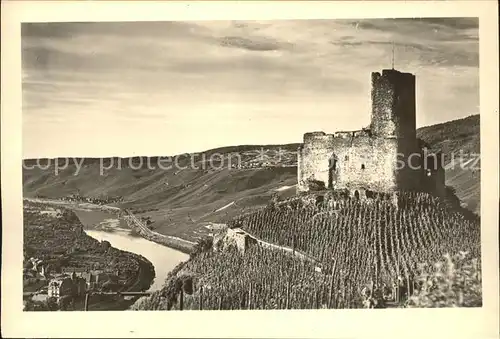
(333,163)
(362,166)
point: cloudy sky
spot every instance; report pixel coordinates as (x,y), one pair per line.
(163,88)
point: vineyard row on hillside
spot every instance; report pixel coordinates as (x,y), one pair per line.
(358,245)
(369,241)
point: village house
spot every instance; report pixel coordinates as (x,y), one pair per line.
(92,278)
(60,286)
(238,238)
(66,285)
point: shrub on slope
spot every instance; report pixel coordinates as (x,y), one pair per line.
(454,281)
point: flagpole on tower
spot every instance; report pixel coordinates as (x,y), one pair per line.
(393,55)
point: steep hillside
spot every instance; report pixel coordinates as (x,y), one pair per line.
(459,140)
(181,202)
(451,136)
(350,244)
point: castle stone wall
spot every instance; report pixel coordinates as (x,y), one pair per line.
(382,106)
(359,162)
(366,162)
(393,105)
(313,159)
(237,238)
(433,176)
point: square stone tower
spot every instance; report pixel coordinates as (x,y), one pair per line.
(393,105)
(385,158)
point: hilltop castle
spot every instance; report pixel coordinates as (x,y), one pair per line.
(385,157)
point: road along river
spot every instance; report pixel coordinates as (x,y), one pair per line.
(102,225)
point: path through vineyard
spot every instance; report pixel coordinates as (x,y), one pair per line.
(285,249)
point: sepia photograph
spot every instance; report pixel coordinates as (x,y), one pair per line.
(353,181)
(280,164)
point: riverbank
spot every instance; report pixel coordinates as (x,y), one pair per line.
(72,204)
(176,243)
(163,258)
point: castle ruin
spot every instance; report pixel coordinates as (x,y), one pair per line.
(385,157)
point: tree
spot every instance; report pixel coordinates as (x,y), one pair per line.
(316,185)
(275,198)
(187,285)
(105,245)
(203,245)
(51,304)
(454,282)
(64,302)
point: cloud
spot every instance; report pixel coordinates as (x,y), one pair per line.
(453,23)
(311,74)
(438,29)
(253,44)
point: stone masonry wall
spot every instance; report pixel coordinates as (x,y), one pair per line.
(313,159)
(361,161)
(382,106)
(379,164)
(433,175)
(366,162)
(393,104)
(236,237)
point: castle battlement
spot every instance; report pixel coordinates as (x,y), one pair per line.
(370,158)
(322,136)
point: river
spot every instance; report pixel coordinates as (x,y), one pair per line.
(106,226)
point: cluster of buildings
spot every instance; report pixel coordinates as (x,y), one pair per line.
(66,285)
(264,160)
(72,281)
(76,281)
(35,273)
(97,201)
